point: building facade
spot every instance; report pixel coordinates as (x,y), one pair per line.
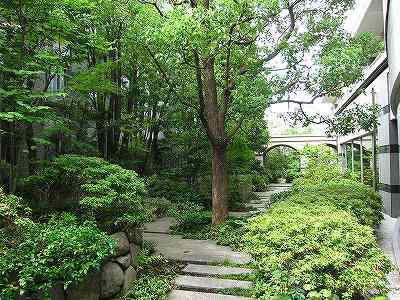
(375,154)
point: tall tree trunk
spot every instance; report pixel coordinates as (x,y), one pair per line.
(219,185)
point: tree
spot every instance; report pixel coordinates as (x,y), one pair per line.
(32,55)
(238,56)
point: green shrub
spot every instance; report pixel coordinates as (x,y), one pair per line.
(260,183)
(306,249)
(11,207)
(193,219)
(36,256)
(322,166)
(173,189)
(113,195)
(157,206)
(240,191)
(351,196)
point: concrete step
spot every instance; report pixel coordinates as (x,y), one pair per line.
(188,295)
(207,284)
(204,270)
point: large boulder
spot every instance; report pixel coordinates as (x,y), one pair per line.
(112,279)
(122,242)
(124,261)
(88,289)
(130,277)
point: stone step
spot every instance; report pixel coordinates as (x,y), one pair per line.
(207,284)
(176,248)
(205,270)
(189,295)
(160,226)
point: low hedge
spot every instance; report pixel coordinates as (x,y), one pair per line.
(314,250)
(351,196)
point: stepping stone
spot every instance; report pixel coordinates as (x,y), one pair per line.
(194,251)
(160,226)
(215,270)
(207,284)
(188,295)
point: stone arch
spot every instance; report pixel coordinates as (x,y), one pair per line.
(280,145)
(334,147)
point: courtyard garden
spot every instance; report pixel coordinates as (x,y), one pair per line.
(131,133)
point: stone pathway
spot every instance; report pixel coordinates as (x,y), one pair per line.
(263,202)
(204,276)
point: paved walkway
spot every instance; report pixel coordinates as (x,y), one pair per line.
(205,275)
(385,240)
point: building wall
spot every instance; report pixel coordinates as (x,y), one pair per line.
(393,51)
(392,25)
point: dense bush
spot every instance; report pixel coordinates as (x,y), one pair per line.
(240,191)
(317,240)
(194,219)
(280,196)
(36,256)
(113,195)
(313,249)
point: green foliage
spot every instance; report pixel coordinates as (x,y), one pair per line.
(36,256)
(173,189)
(11,207)
(317,240)
(303,249)
(322,166)
(192,219)
(240,156)
(240,191)
(113,195)
(280,196)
